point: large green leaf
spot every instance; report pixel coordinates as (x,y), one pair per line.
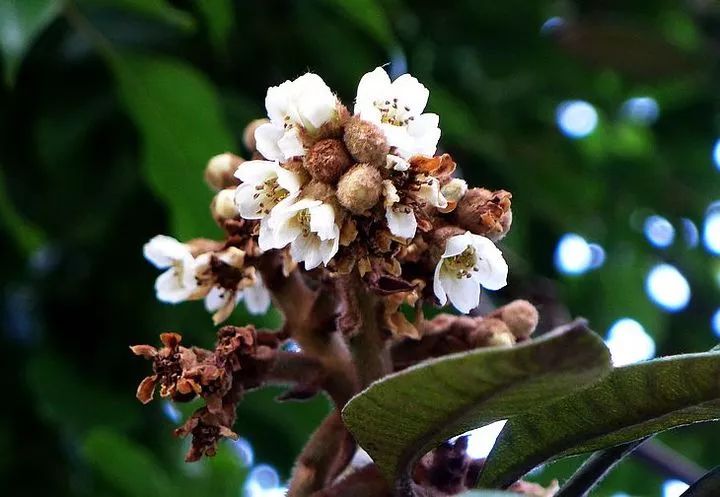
(20,22)
(181,126)
(630,403)
(369,16)
(160,10)
(219,17)
(400,417)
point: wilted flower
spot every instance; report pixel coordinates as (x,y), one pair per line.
(309,227)
(178,283)
(469,262)
(397,107)
(303,104)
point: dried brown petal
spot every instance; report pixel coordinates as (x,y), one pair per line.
(146,389)
(145,351)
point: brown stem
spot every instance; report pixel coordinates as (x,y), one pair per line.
(309,316)
(326,454)
(369,347)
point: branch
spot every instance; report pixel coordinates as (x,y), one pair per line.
(595,469)
(668,462)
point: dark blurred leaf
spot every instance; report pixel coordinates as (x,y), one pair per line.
(399,418)
(20,22)
(160,10)
(631,50)
(220,18)
(27,236)
(707,486)
(181,125)
(369,16)
(630,403)
(127,467)
(62,396)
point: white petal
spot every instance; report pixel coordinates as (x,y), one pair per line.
(256,172)
(457,244)
(330,247)
(463,293)
(317,107)
(266,237)
(267,137)
(277,102)
(306,248)
(437,284)
(413,93)
(170,288)
(493,269)
(430,193)
(257,297)
(398,137)
(288,180)
(322,221)
(290,144)
(401,223)
(397,163)
(215,298)
(248,200)
(423,123)
(163,251)
(373,86)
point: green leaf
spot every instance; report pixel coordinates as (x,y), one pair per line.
(20,23)
(159,10)
(402,416)
(707,486)
(220,18)
(632,402)
(369,16)
(129,468)
(181,126)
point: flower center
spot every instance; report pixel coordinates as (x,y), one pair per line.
(272,194)
(462,265)
(391,112)
(304,220)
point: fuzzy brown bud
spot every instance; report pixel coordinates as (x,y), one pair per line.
(485,212)
(359,189)
(220,171)
(327,160)
(249,134)
(520,316)
(223,206)
(366,142)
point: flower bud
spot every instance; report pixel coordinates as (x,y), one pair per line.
(366,142)
(319,191)
(223,205)
(438,240)
(220,171)
(249,134)
(492,332)
(359,188)
(520,316)
(327,160)
(485,213)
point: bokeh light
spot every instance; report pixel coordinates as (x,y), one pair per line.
(716,154)
(551,25)
(629,342)
(481,441)
(690,233)
(574,255)
(659,231)
(244,451)
(576,118)
(711,228)
(667,287)
(641,110)
(263,481)
(674,488)
(715,322)
(171,412)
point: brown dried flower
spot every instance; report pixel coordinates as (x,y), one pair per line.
(327,160)
(485,212)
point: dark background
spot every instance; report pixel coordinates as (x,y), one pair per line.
(109,110)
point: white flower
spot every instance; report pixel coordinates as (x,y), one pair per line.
(178,283)
(264,185)
(454,190)
(400,218)
(309,226)
(397,107)
(469,262)
(222,301)
(307,102)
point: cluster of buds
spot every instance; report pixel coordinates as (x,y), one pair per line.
(360,191)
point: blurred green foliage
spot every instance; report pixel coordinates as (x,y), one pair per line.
(110,109)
